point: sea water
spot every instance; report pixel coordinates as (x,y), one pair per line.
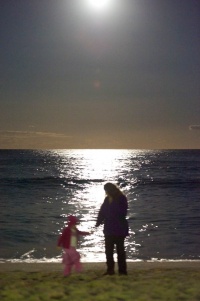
(40,188)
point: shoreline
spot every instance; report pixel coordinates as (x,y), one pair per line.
(91,266)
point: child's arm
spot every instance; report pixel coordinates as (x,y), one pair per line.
(59,243)
(62,237)
(83,233)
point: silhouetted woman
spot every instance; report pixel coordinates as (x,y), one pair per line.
(112,214)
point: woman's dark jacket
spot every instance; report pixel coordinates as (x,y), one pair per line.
(113,216)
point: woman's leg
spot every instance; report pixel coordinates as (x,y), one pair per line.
(121,255)
(109,250)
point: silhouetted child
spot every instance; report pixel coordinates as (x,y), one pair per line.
(68,241)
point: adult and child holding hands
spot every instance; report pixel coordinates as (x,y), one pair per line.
(112,215)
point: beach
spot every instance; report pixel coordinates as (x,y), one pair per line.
(162,249)
(164,281)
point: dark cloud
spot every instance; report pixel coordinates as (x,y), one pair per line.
(32,139)
(30,134)
(194,127)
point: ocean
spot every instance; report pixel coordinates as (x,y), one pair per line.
(40,188)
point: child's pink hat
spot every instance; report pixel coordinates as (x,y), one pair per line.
(72,220)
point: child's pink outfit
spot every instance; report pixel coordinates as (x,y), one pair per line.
(71,257)
(68,240)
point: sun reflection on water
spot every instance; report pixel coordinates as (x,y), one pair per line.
(100,164)
(55,183)
(85,173)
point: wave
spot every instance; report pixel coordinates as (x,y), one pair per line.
(170,182)
(49,181)
(160,183)
(122,183)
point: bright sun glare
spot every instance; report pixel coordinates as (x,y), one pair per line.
(99,4)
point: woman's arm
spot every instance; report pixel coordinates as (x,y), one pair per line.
(101,215)
(123,205)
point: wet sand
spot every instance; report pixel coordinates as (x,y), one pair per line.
(91,266)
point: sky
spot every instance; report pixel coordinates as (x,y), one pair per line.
(87,74)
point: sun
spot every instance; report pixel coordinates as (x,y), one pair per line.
(99,4)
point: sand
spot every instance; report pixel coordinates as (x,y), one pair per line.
(160,280)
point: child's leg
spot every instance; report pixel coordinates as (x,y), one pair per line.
(78,266)
(67,269)
(67,262)
(76,260)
